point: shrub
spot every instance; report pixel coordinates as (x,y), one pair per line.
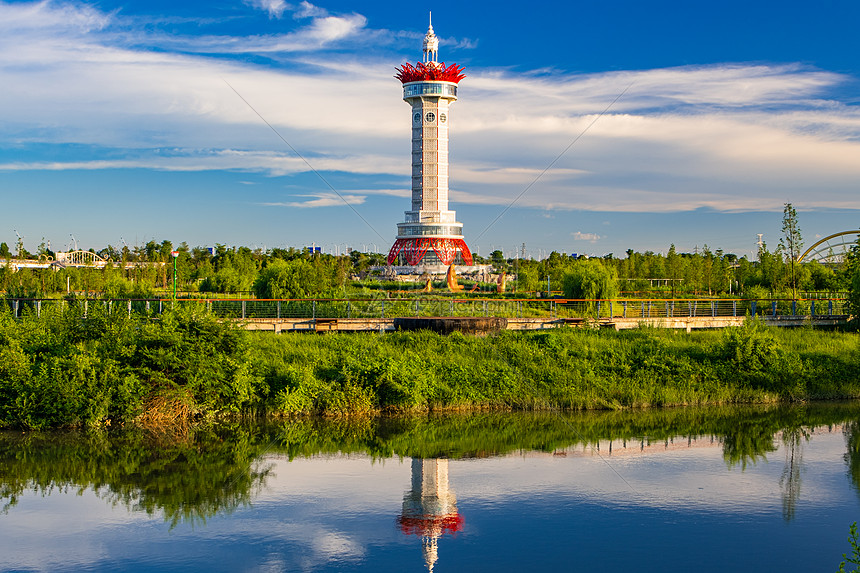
(754,355)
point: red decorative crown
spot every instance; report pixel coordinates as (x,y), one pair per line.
(430,72)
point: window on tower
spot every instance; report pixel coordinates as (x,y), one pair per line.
(430,117)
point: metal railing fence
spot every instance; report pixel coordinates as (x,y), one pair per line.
(373,308)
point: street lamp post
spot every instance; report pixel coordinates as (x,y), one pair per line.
(175,255)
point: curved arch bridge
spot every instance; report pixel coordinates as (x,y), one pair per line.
(64,260)
(832,249)
(80,259)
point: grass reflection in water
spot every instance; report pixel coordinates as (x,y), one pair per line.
(197,472)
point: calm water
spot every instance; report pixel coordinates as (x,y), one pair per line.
(743,489)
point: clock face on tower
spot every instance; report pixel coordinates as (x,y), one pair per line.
(430,117)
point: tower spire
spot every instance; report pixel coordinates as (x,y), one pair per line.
(431,44)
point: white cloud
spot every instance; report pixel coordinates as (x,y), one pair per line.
(308,10)
(275,8)
(35,17)
(590,237)
(322,200)
(731,138)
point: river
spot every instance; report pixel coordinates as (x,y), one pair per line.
(705,489)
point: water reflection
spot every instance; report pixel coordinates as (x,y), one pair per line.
(539,490)
(793,440)
(186,475)
(196,473)
(430,507)
(852,455)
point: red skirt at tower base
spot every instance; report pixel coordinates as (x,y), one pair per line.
(415,249)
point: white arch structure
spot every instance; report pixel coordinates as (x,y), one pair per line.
(80,259)
(831,249)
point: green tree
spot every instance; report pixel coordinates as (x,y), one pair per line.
(793,242)
(591,280)
(298,278)
(852,269)
(527,276)
(497,258)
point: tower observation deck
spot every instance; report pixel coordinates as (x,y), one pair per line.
(430,233)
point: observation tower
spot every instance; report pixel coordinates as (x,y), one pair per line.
(430,507)
(430,234)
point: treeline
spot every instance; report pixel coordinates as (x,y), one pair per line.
(145,271)
(702,273)
(293,273)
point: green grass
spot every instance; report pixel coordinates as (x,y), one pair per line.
(564,368)
(67,369)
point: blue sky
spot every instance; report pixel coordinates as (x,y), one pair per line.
(118,122)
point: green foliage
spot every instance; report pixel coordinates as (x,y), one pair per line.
(118,287)
(66,368)
(573,369)
(227,280)
(854,558)
(298,278)
(852,272)
(591,280)
(753,354)
(793,242)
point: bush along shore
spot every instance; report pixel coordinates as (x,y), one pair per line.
(67,369)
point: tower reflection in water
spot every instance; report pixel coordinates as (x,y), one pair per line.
(430,508)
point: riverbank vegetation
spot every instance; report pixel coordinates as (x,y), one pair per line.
(67,369)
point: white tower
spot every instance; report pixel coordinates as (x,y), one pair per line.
(430,232)
(430,508)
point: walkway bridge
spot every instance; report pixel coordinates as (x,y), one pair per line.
(76,259)
(380,314)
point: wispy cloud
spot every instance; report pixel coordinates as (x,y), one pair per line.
(321,200)
(308,10)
